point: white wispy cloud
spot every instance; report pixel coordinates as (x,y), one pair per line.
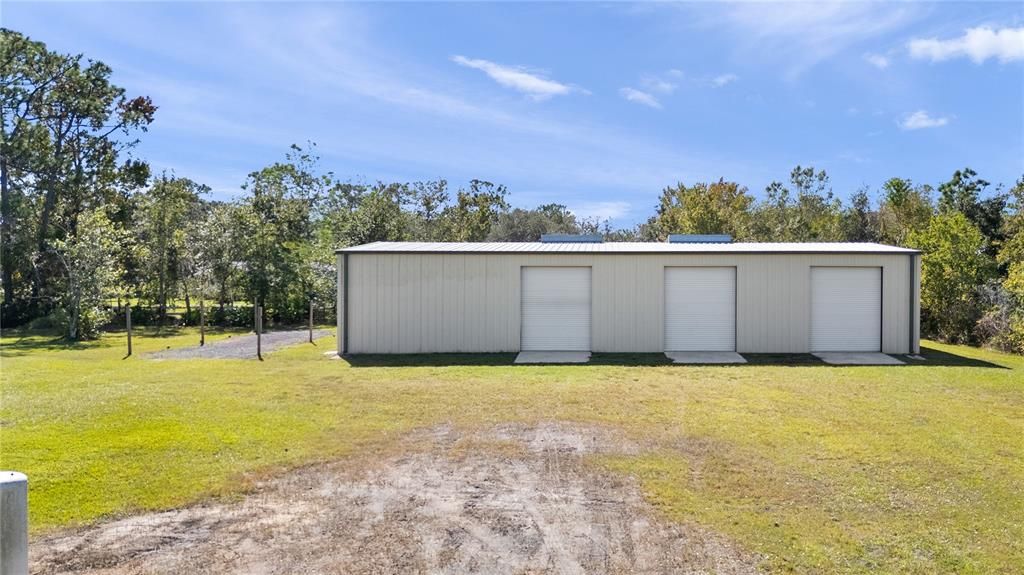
(723,80)
(640,97)
(877,60)
(602,210)
(801,35)
(664,83)
(921,119)
(854,157)
(979,44)
(331,65)
(517,78)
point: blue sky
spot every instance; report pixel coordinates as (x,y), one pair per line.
(597,106)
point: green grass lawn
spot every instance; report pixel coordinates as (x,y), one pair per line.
(914,469)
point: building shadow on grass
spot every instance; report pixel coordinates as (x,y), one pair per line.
(932,358)
(629,359)
(942,358)
(429,359)
(496,359)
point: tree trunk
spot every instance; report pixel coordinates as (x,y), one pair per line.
(73,318)
(222,296)
(5,233)
(162,294)
(48,204)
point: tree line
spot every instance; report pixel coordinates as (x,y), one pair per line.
(84,222)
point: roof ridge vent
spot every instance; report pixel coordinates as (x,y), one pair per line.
(699,239)
(571,239)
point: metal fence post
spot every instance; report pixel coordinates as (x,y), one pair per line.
(13,523)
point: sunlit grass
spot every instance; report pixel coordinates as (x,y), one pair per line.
(820,469)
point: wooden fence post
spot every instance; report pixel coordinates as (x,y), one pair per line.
(128,326)
(259,333)
(311,320)
(202,323)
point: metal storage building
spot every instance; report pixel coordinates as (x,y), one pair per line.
(408,297)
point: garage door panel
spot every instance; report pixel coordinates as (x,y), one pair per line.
(556,310)
(700,309)
(846,309)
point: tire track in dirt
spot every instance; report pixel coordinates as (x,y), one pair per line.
(510,499)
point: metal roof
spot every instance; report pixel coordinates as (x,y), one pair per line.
(622,248)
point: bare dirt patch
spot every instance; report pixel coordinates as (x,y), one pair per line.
(511,499)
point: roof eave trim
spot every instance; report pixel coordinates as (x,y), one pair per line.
(902,251)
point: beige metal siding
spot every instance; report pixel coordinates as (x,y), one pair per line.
(340,311)
(423,303)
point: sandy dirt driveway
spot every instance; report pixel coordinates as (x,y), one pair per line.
(511,499)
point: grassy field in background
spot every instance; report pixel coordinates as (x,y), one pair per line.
(822,469)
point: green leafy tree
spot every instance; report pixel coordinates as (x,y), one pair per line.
(28,71)
(271,223)
(962,193)
(904,209)
(429,199)
(67,131)
(775,218)
(717,208)
(168,208)
(819,213)
(860,222)
(522,225)
(213,249)
(1011,256)
(475,211)
(808,213)
(379,216)
(953,266)
(89,261)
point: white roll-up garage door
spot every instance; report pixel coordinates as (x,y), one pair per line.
(555,309)
(846,309)
(700,309)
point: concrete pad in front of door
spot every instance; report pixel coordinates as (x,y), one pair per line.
(705,357)
(857,358)
(553,357)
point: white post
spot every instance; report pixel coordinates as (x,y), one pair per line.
(13,523)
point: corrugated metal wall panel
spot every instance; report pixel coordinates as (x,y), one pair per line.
(846,309)
(772,300)
(556,308)
(700,309)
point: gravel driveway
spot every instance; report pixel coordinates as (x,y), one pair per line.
(241,346)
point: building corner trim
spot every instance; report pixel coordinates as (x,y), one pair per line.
(344,295)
